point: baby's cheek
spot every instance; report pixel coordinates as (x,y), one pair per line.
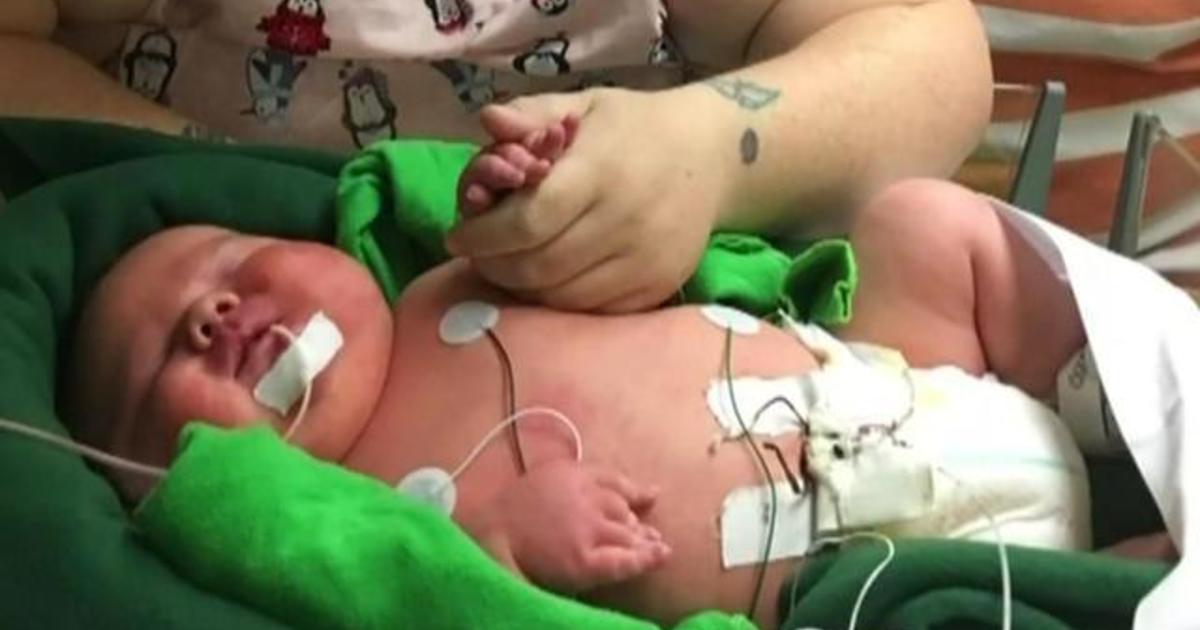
(188,394)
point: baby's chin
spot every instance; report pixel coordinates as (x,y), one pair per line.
(342,408)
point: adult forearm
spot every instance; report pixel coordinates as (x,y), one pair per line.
(43,80)
(820,124)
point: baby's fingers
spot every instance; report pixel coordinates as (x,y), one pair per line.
(484,179)
(529,218)
(494,171)
(521,158)
(629,535)
(552,141)
(475,200)
(640,498)
(607,565)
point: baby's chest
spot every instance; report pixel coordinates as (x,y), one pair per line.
(466,358)
(482,406)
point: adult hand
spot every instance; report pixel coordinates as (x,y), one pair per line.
(620,221)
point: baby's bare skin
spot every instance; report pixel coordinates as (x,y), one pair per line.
(177,331)
(634,386)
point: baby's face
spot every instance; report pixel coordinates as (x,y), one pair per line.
(179,330)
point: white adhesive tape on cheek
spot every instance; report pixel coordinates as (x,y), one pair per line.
(745,525)
(296,368)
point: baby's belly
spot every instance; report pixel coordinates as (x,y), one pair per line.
(635,386)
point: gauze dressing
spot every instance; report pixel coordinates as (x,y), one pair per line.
(297,366)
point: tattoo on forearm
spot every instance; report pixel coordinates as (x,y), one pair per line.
(749,147)
(747,94)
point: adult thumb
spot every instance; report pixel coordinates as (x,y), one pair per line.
(515,120)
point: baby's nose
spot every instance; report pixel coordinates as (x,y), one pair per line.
(208,314)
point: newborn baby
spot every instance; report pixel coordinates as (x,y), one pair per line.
(180,328)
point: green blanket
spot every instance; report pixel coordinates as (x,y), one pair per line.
(949,584)
(319,547)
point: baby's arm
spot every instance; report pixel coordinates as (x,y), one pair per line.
(946,280)
(507,166)
(43,79)
(569,527)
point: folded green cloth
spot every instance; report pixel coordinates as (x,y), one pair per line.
(248,516)
(954,584)
(396,202)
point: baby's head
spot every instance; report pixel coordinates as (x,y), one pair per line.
(179,329)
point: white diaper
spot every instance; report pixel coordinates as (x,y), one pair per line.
(934,452)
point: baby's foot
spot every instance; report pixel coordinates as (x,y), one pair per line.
(507,166)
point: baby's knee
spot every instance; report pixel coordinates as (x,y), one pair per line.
(920,204)
(927,213)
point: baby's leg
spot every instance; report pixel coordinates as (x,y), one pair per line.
(946,280)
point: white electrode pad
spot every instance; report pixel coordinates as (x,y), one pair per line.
(725,317)
(431,486)
(297,366)
(467,321)
(746,523)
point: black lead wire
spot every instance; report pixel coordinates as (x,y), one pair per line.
(766,472)
(793,482)
(802,422)
(510,397)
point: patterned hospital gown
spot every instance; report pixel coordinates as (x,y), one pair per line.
(344,73)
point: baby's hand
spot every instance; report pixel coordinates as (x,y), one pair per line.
(506,166)
(572,527)
(621,221)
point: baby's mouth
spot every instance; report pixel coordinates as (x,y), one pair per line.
(291,372)
(259,352)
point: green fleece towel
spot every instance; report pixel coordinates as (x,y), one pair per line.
(396,201)
(250,517)
(405,185)
(954,584)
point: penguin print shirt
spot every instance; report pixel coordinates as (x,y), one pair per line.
(341,74)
